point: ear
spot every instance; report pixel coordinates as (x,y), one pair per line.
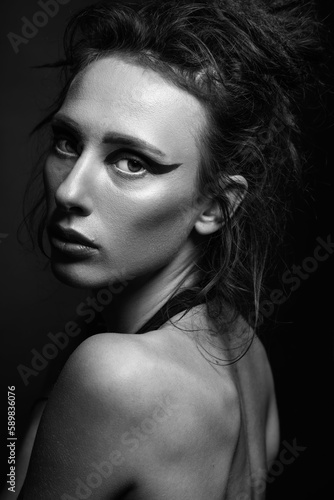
(211,218)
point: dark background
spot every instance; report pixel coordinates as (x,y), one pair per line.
(298,335)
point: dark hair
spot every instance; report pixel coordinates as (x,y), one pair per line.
(250,63)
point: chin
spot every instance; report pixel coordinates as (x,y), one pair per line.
(75,273)
(79,275)
(70,277)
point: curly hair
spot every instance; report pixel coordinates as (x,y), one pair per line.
(251,64)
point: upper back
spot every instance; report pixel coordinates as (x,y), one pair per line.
(236,402)
(168,423)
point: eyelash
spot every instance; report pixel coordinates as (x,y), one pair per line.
(121,154)
(55,148)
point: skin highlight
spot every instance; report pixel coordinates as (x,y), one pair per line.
(147,173)
(141,221)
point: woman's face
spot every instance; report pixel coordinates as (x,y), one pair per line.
(122,172)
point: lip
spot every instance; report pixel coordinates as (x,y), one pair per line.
(70,241)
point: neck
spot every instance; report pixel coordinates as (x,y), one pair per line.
(137,300)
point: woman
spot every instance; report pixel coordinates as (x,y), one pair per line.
(173,143)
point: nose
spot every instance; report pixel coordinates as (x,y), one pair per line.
(75,193)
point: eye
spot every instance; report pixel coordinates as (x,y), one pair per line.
(127,165)
(64,147)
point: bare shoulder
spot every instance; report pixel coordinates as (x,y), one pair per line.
(122,405)
(142,371)
(110,361)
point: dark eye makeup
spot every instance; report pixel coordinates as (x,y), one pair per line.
(58,135)
(62,134)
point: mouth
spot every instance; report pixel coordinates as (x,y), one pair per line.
(69,241)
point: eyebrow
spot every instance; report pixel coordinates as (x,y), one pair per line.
(109,137)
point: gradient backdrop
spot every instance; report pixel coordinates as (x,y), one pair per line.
(299,333)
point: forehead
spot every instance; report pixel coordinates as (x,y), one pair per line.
(115,94)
